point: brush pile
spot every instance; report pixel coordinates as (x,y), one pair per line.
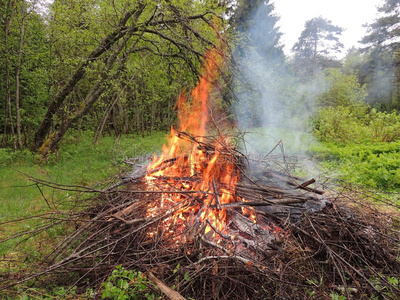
(276,238)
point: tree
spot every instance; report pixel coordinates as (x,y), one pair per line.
(318,40)
(385,31)
(7,23)
(255,23)
(21,69)
(260,58)
(383,45)
(171,32)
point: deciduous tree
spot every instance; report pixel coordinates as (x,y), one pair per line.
(165,30)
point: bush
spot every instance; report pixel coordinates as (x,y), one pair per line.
(384,127)
(374,166)
(338,124)
(349,124)
(343,90)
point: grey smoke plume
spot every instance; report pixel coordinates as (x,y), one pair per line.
(272,103)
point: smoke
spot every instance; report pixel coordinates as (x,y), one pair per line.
(272,104)
(381,87)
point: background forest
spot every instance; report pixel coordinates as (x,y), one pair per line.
(86,84)
(117,68)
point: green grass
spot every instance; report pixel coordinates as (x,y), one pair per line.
(370,165)
(78,163)
(375,166)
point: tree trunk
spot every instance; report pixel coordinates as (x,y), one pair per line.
(314,59)
(17,78)
(100,127)
(8,80)
(95,92)
(105,45)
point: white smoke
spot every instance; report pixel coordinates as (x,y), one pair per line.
(273,106)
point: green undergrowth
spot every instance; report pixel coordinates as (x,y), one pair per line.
(371,165)
(77,163)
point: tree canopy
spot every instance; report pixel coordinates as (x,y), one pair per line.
(255,23)
(385,31)
(118,62)
(382,43)
(318,40)
(117,67)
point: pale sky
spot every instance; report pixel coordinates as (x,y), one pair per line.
(349,14)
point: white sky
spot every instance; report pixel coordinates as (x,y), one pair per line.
(349,14)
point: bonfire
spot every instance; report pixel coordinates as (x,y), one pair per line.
(199,219)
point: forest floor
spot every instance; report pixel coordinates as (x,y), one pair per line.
(80,163)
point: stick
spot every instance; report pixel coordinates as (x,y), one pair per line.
(216,194)
(217,231)
(170,293)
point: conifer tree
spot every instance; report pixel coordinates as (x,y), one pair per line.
(318,40)
(383,46)
(256,25)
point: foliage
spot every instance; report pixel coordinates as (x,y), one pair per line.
(343,90)
(373,166)
(384,31)
(337,124)
(95,65)
(343,114)
(127,284)
(361,142)
(382,45)
(255,25)
(258,51)
(24,53)
(344,125)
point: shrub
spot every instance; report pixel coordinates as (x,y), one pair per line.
(343,124)
(343,90)
(384,127)
(338,124)
(374,166)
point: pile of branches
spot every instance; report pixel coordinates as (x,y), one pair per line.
(307,241)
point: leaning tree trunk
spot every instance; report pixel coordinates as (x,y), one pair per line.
(95,92)
(43,131)
(150,28)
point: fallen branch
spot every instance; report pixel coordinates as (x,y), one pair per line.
(170,293)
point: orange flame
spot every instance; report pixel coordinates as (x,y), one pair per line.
(185,159)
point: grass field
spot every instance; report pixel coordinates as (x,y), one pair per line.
(78,163)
